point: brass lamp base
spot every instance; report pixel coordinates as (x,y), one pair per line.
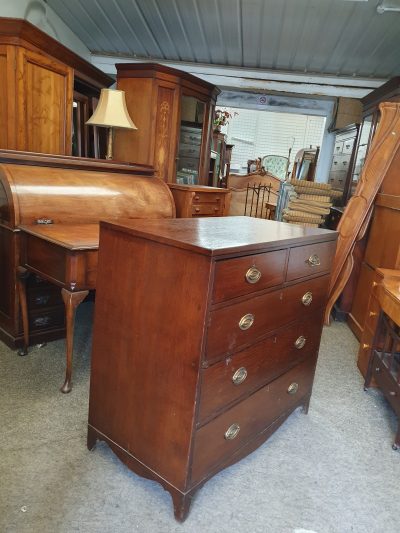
(110,134)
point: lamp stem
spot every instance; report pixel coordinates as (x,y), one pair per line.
(109,144)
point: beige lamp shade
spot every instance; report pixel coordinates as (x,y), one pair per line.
(111,111)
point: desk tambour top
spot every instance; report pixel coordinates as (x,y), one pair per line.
(205,339)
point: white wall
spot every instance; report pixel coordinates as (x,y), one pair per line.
(258,133)
(42,16)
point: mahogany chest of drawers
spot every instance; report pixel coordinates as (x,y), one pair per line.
(206,337)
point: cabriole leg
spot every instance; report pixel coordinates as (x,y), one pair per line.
(71,301)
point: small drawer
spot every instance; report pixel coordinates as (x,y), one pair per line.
(240,324)
(189,150)
(190,137)
(50,318)
(372,313)
(207,209)
(245,275)
(217,440)
(387,383)
(207,198)
(44,297)
(348,146)
(246,371)
(338,147)
(310,259)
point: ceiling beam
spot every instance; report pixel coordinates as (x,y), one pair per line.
(259,79)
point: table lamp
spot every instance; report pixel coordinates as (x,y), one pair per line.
(111,112)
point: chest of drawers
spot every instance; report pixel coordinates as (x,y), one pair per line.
(200,200)
(205,340)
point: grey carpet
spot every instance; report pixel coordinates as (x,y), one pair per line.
(332,471)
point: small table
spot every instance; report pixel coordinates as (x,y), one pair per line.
(65,255)
(384,363)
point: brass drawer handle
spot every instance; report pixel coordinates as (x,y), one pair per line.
(246,321)
(365,346)
(239,376)
(372,313)
(306,299)
(300,342)
(314,260)
(232,432)
(253,275)
(197,198)
(293,388)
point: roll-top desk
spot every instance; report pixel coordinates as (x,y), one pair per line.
(206,337)
(50,207)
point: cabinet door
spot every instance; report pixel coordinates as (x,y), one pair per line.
(7,101)
(44,108)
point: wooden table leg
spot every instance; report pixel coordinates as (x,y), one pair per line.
(71,301)
(22,276)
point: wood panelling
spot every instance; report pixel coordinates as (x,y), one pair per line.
(44,104)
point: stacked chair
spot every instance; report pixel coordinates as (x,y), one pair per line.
(307,203)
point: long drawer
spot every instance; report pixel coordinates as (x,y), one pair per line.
(248,370)
(245,322)
(228,432)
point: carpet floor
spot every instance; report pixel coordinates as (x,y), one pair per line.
(332,471)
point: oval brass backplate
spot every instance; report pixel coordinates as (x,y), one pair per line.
(300,342)
(253,275)
(293,388)
(314,260)
(246,321)
(306,299)
(239,376)
(232,432)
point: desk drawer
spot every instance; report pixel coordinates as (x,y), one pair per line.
(387,383)
(189,150)
(246,371)
(244,275)
(310,260)
(47,296)
(245,322)
(46,318)
(251,416)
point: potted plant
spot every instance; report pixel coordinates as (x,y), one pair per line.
(222,117)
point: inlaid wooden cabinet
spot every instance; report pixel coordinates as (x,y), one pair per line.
(173,112)
(206,337)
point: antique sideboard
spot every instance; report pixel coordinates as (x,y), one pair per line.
(205,339)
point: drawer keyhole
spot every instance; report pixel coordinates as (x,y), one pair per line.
(239,376)
(246,321)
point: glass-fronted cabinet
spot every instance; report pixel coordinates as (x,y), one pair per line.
(173,112)
(190,140)
(364,141)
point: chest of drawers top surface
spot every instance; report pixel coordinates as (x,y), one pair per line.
(225,235)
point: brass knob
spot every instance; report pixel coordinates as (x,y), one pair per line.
(372,313)
(253,275)
(314,260)
(197,209)
(232,432)
(197,198)
(246,321)
(306,299)
(300,342)
(293,388)
(239,376)
(366,346)
(392,393)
